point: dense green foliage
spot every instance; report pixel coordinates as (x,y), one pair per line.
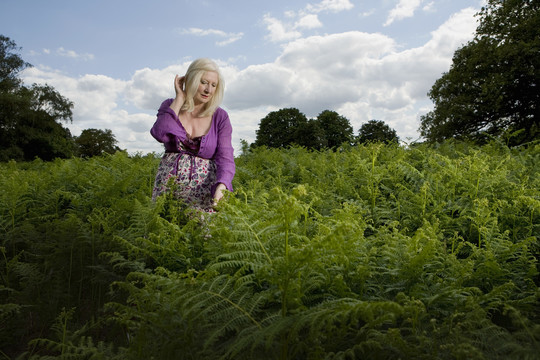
(492,88)
(371,252)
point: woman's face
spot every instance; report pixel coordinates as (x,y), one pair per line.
(207,87)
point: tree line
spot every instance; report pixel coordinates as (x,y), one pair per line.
(289,126)
(490,91)
(31,117)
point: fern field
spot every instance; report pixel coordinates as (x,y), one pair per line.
(371,252)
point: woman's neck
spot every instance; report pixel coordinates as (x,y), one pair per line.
(197,111)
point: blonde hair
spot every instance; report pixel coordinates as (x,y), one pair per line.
(193,78)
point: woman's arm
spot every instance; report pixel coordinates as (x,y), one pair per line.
(166,126)
(224,156)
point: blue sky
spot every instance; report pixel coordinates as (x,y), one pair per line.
(116,59)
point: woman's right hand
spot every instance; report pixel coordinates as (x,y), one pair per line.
(179,82)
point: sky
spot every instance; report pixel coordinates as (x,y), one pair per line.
(116,59)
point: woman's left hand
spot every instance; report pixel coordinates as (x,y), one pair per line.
(219,192)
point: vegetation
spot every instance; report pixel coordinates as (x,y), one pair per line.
(492,88)
(374,251)
(371,251)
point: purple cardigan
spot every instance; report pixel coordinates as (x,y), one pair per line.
(215,145)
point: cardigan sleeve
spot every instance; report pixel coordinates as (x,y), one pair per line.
(224,155)
(166,127)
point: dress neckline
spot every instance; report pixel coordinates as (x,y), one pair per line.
(188,135)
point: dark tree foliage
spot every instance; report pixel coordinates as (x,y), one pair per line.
(289,126)
(492,87)
(312,135)
(95,142)
(10,65)
(337,128)
(280,128)
(376,131)
(29,116)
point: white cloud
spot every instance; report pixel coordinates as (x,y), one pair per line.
(279,31)
(429,7)
(367,13)
(148,87)
(310,21)
(229,37)
(330,5)
(311,72)
(72,54)
(64,53)
(305,19)
(404,9)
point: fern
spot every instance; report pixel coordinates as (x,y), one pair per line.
(374,251)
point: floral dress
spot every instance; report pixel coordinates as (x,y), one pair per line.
(192,175)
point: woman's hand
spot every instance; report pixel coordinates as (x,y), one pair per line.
(179,82)
(179,88)
(218,194)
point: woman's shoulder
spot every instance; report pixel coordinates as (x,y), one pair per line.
(220,112)
(220,115)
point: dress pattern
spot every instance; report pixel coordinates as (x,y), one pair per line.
(192,176)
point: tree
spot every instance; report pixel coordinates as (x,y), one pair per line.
(337,128)
(29,116)
(10,65)
(376,131)
(311,135)
(95,142)
(493,85)
(280,128)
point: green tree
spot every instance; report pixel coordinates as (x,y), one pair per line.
(311,135)
(337,128)
(95,142)
(376,131)
(29,116)
(10,65)
(280,128)
(492,87)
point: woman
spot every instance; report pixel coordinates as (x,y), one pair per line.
(196,133)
